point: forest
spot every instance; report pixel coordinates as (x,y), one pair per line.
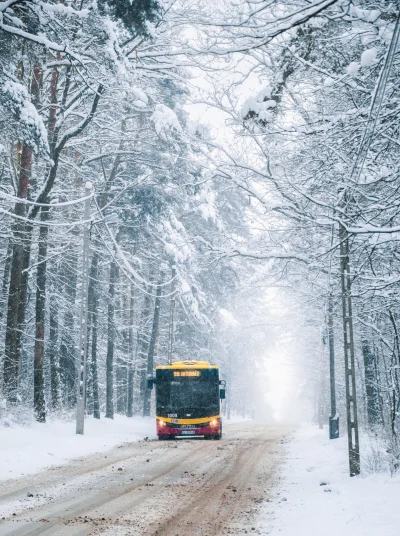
(133,232)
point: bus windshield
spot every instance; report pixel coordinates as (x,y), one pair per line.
(196,395)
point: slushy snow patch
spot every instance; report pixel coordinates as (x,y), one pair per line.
(317,496)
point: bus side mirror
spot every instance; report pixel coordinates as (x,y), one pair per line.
(222,394)
(150,383)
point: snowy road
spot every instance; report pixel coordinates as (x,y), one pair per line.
(152,488)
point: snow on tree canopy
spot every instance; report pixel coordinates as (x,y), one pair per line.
(369,15)
(228,317)
(264,94)
(134,14)
(207,205)
(368,57)
(33,129)
(165,121)
(353,68)
(176,243)
(386,33)
(189,302)
(259,105)
(328,82)
(141,100)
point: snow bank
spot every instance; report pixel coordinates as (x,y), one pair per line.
(28,449)
(318,497)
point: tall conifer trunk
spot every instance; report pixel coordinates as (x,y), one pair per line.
(143,346)
(371,385)
(110,341)
(17,291)
(68,353)
(93,321)
(38,382)
(131,355)
(54,357)
(152,348)
(22,234)
(6,277)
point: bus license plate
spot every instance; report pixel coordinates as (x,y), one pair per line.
(188,432)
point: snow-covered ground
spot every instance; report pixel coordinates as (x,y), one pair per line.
(318,498)
(28,449)
(315,497)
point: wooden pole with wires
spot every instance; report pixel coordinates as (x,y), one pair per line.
(333,417)
(349,358)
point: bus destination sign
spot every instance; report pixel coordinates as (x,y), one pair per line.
(186,373)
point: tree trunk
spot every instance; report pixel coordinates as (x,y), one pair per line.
(17,292)
(110,342)
(53,358)
(130,356)
(152,347)
(143,348)
(68,352)
(38,382)
(122,362)
(22,232)
(171,332)
(371,390)
(93,312)
(94,370)
(6,277)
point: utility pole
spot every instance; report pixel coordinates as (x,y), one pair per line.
(171,317)
(366,140)
(82,354)
(349,361)
(367,137)
(333,417)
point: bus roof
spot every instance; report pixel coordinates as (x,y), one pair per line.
(188,365)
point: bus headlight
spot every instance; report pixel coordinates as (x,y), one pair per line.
(214,423)
(161,424)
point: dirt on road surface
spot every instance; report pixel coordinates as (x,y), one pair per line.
(152,488)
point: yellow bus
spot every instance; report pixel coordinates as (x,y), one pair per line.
(188,395)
